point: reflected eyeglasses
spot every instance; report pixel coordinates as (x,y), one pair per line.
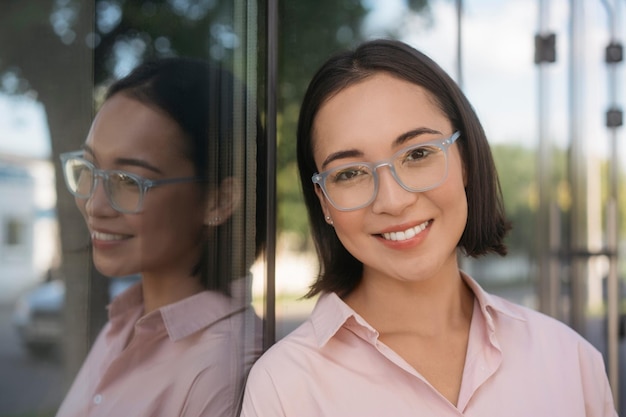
(124,190)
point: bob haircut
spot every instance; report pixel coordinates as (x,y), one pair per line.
(486,225)
(203,99)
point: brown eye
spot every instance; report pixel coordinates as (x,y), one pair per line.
(350,174)
(122,180)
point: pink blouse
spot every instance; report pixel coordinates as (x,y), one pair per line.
(518,363)
(185,359)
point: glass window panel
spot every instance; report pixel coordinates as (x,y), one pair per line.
(55,65)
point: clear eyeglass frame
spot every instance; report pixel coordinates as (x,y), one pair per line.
(443,144)
(143,184)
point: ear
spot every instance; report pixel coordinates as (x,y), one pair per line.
(221,203)
(323,201)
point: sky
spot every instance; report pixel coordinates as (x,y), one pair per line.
(23,127)
(499,76)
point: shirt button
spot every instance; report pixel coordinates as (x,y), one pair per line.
(97,399)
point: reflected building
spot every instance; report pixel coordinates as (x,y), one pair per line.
(28,224)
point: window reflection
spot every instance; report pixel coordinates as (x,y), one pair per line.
(81,47)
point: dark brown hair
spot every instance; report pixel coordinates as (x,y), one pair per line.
(486,225)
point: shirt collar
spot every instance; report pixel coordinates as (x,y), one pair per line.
(331,313)
(197,312)
(181,318)
(489,302)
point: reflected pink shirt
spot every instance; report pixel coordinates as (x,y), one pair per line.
(518,363)
(185,359)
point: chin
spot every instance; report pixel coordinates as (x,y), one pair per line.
(113,271)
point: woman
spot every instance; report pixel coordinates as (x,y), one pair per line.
(398,177)
(156,186)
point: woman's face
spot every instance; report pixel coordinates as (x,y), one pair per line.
(165,236)
(367,122)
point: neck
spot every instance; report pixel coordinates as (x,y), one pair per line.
(429,307)
(160,290)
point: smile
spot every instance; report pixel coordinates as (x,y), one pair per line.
(406,234)
(106,236)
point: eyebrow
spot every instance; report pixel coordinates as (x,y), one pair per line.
(127,161)
(352,153)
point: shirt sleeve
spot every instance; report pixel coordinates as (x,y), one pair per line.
(261,397)
(598,395)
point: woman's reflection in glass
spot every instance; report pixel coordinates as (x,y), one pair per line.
(156,184)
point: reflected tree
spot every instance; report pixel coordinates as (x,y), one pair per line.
(40,52)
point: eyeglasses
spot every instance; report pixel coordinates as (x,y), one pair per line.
(416,168)
(124,190)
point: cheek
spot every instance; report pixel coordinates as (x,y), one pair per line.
(456,182)
(177,212)
(348,225)
(452,199)
(81,204)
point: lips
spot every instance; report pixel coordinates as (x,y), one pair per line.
(406,234)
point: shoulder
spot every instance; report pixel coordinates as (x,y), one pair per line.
(217,359)
(281,374)
(538,345)
(299,342)
(506,310)
(527,327)
(287,356)
(522,325)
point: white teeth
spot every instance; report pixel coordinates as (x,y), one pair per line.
(406,234)
(105,236)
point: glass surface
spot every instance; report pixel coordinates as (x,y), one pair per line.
(56,62)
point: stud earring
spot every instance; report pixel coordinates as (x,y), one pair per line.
(329,220)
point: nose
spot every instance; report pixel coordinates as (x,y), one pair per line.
(99,205)
(391,197)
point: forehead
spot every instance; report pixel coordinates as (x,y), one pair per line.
(369,115)
(127,127)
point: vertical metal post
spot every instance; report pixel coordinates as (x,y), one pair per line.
(613,293)
(547,215)
(577,170)
(269,331)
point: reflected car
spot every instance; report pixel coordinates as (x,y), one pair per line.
(38,313)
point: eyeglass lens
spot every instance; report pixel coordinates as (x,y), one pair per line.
(417,168)
(123,190)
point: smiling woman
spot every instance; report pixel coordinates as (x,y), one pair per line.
(399,180)
(155,198)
